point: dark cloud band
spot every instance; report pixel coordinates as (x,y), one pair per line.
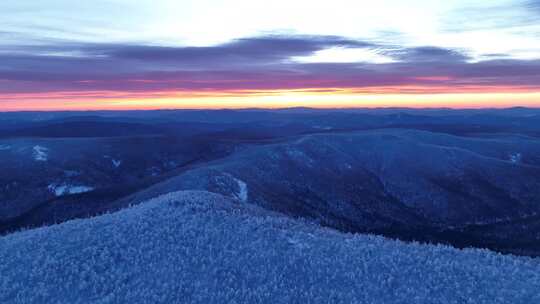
(259,63)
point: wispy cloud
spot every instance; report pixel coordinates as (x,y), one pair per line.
(534,5)
(493,16)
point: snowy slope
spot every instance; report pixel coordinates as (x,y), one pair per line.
(199,247)
(376,179)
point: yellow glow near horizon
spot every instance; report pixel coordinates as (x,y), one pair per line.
(278,99)
(467,100)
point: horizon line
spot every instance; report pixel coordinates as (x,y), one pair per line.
(273,109)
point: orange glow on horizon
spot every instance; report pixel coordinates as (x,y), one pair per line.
(375,97)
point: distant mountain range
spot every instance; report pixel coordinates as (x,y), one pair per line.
(460,177)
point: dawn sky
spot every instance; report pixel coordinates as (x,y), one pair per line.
(123,54)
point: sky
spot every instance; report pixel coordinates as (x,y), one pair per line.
(124,54)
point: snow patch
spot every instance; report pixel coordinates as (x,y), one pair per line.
(40,153)
(65,189)
(242,193)
(515,158)
(116,162)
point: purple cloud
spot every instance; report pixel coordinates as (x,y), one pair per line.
(260,63)
(260,48)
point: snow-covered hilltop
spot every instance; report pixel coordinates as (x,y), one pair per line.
(199,247)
